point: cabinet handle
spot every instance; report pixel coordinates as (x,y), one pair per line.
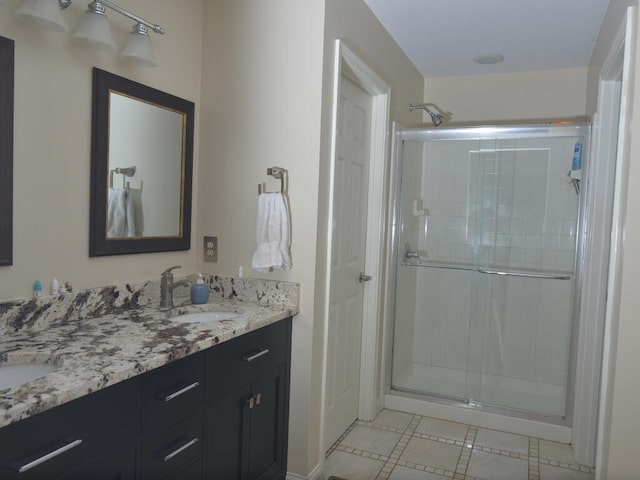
(177,393)
(182,448)
(49,456)
(254,401)
(250,357)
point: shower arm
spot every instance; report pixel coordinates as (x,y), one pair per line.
(436,118)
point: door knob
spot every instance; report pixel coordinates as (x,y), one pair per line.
(364,278)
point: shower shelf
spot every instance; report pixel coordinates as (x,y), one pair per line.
(487,271)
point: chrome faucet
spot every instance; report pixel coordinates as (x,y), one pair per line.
(167,286)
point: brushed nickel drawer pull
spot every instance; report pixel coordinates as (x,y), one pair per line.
(49,456)
(254,401)
(177,393)
(251,357)
(180,449)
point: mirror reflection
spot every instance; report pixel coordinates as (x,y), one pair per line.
(145,178)
(141,168)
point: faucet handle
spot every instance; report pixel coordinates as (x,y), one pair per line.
(168,270)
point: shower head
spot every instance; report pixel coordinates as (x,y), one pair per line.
(436,118)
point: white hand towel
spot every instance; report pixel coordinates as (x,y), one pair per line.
(272,233)
(117,213)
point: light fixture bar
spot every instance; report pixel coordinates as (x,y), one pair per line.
(127,13)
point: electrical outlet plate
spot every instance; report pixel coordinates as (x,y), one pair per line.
(210,249)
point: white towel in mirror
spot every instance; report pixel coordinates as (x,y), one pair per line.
(117,213)
(124,213)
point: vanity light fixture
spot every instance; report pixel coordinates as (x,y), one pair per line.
(94,27)
(45,14)
(139,47)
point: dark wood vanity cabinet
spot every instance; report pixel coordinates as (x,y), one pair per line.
(81,437)
(248,406)
(221,414)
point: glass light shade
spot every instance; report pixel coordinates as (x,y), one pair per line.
(42,14)
(139,50)
(94,30)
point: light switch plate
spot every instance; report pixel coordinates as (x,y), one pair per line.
(210,249)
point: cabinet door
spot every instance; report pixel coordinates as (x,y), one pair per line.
(228,429)
(268,426)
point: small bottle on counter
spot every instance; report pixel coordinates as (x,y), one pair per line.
(199,291)
(37,289)
(55,290)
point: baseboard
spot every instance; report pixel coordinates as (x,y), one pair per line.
(316,474)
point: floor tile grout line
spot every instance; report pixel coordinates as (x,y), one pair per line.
(340,438)
(568,466)
(465,454)
(397,451)
(534,459)
(362,453)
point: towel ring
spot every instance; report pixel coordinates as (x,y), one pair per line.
(125,172)
(280,174)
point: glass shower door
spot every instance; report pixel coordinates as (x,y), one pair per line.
(520,341)
(485,276)
(435,269)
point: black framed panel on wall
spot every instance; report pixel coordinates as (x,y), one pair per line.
(6,150)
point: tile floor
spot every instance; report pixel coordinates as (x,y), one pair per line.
(402,446)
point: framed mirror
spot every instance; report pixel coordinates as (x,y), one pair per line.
(6,150)
(141,168)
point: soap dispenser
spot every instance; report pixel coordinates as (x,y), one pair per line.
(199,291)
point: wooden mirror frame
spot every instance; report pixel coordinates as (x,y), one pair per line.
(99,245)
(6,150)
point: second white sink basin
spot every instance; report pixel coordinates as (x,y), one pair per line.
(204,317)
(17,369)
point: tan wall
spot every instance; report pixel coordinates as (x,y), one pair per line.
(261,108)
(52,141)
(263,91)
(534,96)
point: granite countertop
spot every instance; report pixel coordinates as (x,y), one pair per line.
(98,352)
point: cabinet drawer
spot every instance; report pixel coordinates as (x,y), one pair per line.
(172,392)
(238,361)
(67,437)
(172,449)
(192,472)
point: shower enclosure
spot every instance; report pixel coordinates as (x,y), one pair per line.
(486,239)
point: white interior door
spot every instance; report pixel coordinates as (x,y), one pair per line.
(348,259)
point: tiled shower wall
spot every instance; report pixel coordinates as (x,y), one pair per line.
(503,204)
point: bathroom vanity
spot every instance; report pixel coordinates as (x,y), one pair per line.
(187,401)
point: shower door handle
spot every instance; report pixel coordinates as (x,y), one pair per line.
(364,278)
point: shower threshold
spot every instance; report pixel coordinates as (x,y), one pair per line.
(523,397)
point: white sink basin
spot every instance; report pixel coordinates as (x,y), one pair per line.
(17,369)
(204,317)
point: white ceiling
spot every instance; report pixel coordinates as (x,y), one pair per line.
(442,37)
